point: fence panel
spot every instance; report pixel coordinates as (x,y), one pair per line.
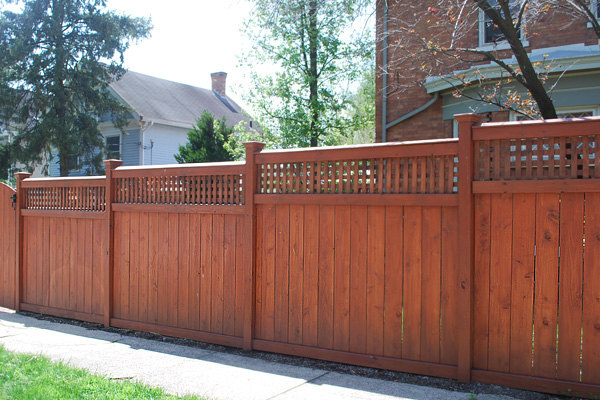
(178,262)
(536,292)
(343,273)
(7,247)
(64,247)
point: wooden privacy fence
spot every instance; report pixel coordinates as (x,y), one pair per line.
(475,258)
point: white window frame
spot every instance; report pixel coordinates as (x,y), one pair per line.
(595,109)
(111,136)
(502,45)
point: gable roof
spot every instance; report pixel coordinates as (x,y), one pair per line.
(173,103)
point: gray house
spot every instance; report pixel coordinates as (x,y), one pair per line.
(163,113)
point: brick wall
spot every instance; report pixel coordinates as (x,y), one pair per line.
(406,92)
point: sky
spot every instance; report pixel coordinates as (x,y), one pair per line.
(190,39)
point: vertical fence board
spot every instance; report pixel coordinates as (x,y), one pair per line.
(500,278)
(153,267)
(183,272)
(296,273)
(143,270)
(481,295)
(239,275)
(229,275)
(311,276)
(268,271)
(411,346)
(195,271)
(546,285)
(431,284)
(591,291)
(375,278)
(522,283)
(571,285)
(206,273)
(341,292)
(325,276)
(282,256)
(448,321)
(394,245)
(217,297)
(134,237)
(358,281)
(162,265)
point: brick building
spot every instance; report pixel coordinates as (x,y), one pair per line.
(419,105)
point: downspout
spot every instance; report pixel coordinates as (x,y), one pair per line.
(384,124)
(415,111)
(144,126)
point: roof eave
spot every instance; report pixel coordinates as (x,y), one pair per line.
(492,72)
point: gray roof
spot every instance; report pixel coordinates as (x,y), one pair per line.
(173,103)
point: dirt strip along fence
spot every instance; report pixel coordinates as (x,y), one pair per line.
(474,259)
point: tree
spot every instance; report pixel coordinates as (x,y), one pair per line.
(304,101)
(434,39)
(58,59)
(362,110)
(209,140)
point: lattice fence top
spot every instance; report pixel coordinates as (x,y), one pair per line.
(66,198)
(390,175)
(203,190)
(574,157)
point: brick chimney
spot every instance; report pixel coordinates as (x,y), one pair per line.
(219,80)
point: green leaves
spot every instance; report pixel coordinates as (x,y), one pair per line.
(304,64)
(61,56)
(210,140)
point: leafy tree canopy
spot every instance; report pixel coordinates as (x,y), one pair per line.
(317,55)
(210,140)
(58,58)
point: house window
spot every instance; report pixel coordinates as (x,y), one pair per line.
(565,112)
(113,147)
(489,33)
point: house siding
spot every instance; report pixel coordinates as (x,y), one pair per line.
(167,140)
(130,147)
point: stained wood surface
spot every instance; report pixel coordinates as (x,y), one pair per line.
(65,264)
(179,270)
(7,248)
(536,288)
(341,279)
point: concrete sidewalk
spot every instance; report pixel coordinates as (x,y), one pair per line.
(183,369)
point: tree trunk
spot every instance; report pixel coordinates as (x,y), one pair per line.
(313,73)
(533,83)
(60,99)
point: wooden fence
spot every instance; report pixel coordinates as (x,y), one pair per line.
(475,258)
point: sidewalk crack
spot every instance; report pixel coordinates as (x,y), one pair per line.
(297,386)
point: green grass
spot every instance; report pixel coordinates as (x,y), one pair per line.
(26,376)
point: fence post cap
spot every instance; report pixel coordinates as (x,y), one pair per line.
(22,175)
(112,163)
(254,146)
(469,117)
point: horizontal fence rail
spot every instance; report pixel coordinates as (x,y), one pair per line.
(473,258)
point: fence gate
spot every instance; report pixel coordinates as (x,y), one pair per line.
(7,247)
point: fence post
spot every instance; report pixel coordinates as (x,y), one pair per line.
(465,246)
(109,196)
(19,238)
(250,242)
